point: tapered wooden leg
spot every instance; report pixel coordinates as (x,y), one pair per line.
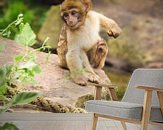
(160,97)
(98,91)
(146,109)
(94,123)
(124,125)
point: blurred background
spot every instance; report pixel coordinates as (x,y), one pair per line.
(140,44)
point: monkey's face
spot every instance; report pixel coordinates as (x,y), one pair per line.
(73,18)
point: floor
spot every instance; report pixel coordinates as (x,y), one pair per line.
(49,121)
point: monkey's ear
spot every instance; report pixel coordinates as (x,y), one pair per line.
(87,4)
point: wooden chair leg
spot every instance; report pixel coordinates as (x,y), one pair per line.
(94,123)
(113,95)
(146,109)
(124,125)
(160,97)
(98,91)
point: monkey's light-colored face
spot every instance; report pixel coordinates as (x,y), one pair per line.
(72,18)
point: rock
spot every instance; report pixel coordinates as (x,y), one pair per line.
(51,27)
(53,82)
(81,100)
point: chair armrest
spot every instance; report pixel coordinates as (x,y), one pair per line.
(148,88)
(110,86)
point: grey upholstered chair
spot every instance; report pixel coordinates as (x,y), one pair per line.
(137,106)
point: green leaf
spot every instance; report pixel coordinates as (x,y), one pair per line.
(8,33)
(26,36)
(8,70)
(3,76)
(19,19)
(2,98)
(21,26)
(8,126)
(32,56)
(36,69)
(3,89)
(4,73)
(19,58)
(24,98)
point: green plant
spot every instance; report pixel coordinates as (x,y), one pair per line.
(17,74)
(34,12)
(11,11)
(23,69)
(10,75)
(26,35)
(13,28)
(18,99)
(8,126)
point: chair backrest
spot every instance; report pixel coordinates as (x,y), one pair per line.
(143,77)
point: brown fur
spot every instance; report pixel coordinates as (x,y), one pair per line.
(90,50)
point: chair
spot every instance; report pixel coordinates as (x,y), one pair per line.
(137,106)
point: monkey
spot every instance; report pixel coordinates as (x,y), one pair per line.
(96,55)
(82,39)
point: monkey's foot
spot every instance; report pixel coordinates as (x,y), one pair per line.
(80,80)
(93,78)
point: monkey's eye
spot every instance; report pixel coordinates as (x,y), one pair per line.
(74,13)
(65,15)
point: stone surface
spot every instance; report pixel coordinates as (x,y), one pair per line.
(53,82)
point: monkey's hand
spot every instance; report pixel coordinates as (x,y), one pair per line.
(80,80)
(109,25)
(114,32)
(93,78)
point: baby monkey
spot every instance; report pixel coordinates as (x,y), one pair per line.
(83,40)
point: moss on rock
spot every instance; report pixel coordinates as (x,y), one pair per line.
(51,27)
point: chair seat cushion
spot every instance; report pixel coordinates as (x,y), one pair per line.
(131,111)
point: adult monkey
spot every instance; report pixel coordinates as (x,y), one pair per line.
(80,45)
